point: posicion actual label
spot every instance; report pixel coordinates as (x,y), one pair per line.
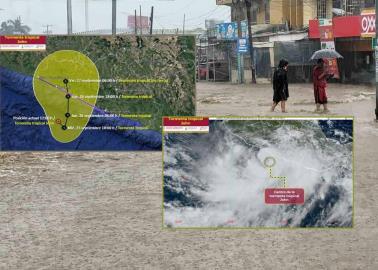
(284,196)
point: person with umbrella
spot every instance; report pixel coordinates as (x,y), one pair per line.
(320,75)
(280,86)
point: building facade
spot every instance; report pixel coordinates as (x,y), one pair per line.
(353,26)
(295,13)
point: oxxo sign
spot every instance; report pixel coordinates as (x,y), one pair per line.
(368,25)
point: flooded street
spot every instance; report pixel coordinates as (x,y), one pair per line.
(252,100)
(103,210)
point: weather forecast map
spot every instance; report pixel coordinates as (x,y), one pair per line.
(68,100)
(93,92)
(248,173)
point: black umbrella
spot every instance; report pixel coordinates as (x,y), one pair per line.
(325,53)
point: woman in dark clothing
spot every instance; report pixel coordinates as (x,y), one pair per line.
(280,85)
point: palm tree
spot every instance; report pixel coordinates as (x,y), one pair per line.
(19,28)
(6,29)
(14,27)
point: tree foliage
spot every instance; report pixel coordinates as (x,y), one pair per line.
(14,27)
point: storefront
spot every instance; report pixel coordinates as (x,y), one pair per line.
(354,40)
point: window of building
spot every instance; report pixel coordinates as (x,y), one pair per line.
(369,3)
(353,7)
(322,9)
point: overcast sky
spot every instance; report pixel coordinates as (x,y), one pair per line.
(168,13)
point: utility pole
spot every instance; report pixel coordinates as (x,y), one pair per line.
(135,23)
(114,17)
(47,31)
(86,16)
(69,17)
(238,15)
(237,5)
(183,26)
(248,5)
(140,20)
(151,20)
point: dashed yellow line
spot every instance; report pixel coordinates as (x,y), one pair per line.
(281,178)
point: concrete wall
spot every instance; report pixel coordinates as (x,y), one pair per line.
(297,12)
(300,14)
(261,12)
(309,11)
(276,12)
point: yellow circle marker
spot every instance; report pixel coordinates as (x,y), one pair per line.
(66,85)
(269,162)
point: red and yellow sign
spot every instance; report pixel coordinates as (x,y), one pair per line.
(327,42)
(347,26)
(284,196)
(186,124)
(22,43)
(368,23)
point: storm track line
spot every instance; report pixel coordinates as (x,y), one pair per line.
(68,97)
(66,92)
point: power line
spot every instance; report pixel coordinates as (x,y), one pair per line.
(209,13)
(201,21)
(191,3)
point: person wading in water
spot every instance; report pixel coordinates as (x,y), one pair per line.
(280,86)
